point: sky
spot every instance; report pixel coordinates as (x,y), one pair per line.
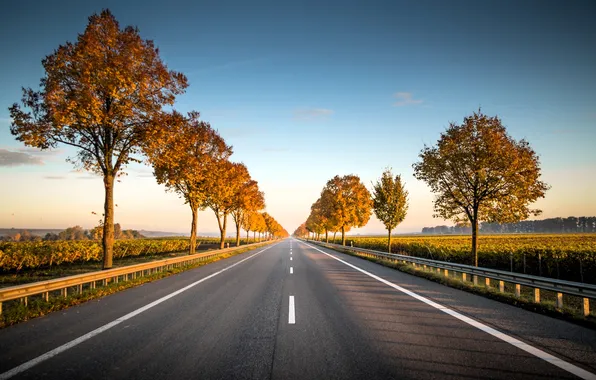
(304,91)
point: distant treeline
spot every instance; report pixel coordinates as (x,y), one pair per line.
(73,233)
(571,224)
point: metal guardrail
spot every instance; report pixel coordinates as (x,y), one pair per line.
(114,275)
(560,287)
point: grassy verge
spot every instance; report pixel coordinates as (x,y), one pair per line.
(15,311)
(570,312)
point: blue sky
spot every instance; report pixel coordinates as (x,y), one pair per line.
(308,90)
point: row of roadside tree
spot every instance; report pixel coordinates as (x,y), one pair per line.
(110,96)
(477,171)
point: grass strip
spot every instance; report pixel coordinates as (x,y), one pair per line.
(15,311)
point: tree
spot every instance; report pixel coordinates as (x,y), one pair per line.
(260,224)
(480,173)
(301,231)
(349,201)
(99,95)
(269,224)
(184,152)
(73,233)
(221,190)
(246,198)
(390,202)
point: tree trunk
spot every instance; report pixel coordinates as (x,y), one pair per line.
(238,234)
(254,236)
(222,242)
(389,242)
(475,235)
(326,236)
(108,222)
(247,236)
(475,238)
(193,229)
(334,233)
(343,235)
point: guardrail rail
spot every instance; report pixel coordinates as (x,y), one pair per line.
(560,287)
(86,281)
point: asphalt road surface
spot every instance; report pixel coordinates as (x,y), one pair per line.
(296,311)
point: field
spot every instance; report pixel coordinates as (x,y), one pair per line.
(18,256)
(565,256)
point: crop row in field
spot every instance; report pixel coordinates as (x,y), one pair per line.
(30,255)
(566,256)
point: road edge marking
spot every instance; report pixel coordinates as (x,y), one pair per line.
(571,368)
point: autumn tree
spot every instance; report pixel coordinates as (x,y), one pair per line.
(222,187)
(314,225)
(350,201)
(390,202)
(480,173)
(250,222)
(261,226)
(184,152)
(269,224)
(301,231)
(247,198)
(98,95)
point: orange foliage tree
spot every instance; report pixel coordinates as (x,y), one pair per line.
(184,151)
(221,190)
(480,173)
(246,198)
(349,202)
(99,95)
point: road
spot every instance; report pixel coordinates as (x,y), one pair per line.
(295,311)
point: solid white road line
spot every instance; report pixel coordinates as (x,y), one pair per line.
(577,371)
(25,366)
(292,313)
(291,270)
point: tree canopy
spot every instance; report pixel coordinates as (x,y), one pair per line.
(348,202)
(99,95)
(480,173)
(184,152)
(390,202)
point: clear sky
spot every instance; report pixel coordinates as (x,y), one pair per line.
(308,90)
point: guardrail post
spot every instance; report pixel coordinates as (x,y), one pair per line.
(559,300)
(64,292)
(517,290)
(46,296)
(446,273)
(487,282)
(586,307)
(0,308)
(80,288)
(501,286)
(26,301)
(475,279)
(537,295)
(464,277)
